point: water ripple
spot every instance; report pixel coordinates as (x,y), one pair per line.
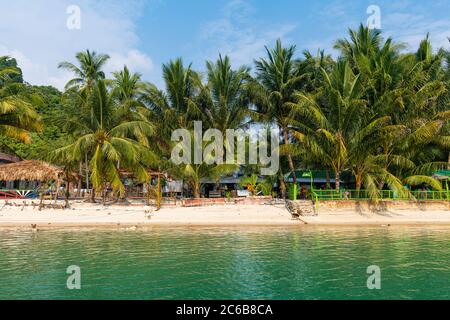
(226,263)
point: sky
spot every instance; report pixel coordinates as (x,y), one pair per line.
(144,34)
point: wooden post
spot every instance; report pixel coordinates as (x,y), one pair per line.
(67,204)
(41,200)
(148,192)
(158,193)
(67,193)
(57,189)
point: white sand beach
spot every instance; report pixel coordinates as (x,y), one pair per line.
(86,214)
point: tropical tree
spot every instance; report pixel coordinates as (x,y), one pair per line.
(109,142)
(79,91)
(224,100)
(333,125)
(127,88)
(17,115)
(88,72)
(279,78)
(173,108)
(407,89)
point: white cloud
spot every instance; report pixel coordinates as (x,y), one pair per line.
(133,59)
(412,28)
(405,21)
(35,33)
(240,35)
(409,22)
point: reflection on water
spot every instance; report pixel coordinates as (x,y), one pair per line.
(226,263)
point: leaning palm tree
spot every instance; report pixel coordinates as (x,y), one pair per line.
(110,143)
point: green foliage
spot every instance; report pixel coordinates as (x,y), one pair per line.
(265,187)
(254,187)
(377,113)
(11,72)
(250,182)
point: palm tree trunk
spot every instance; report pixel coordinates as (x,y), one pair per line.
(337,179)
(358,181)
(448,162)
(87,171)
(93,195)
(148,192)
(328,183)
(283,189)
(80,171)
(282,185)
(291,163)
(196,190)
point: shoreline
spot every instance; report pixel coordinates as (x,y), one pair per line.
(143,226)
(249,215)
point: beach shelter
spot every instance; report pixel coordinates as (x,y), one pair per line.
(158,175)
(32,170)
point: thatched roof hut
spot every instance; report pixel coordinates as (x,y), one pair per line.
(31,170)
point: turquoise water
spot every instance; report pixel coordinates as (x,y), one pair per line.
(226,263)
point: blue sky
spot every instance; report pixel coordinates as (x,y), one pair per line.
(145,34)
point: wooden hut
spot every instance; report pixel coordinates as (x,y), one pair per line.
(146,185)
(32,170)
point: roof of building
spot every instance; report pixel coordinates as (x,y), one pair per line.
(32,170)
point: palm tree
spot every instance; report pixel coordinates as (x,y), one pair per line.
(17,115)
(79,90)
(333,125)
(127,86)
(173,108)
(420,94)
(225,99)
(193,174)
(310,66)
(363,42)
(88,72)
(404,88)
(110,142)
(279,78)
(128,91)
(221,102)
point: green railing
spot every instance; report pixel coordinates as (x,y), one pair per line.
(384,195)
